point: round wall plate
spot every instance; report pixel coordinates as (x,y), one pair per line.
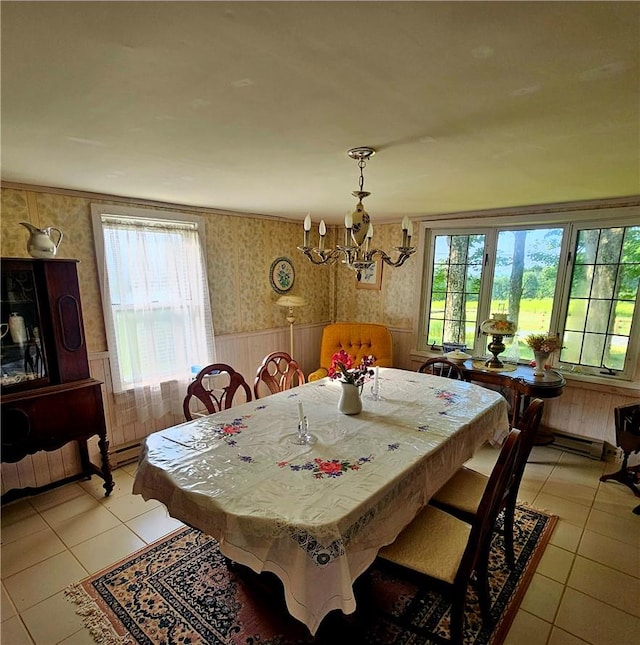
(282,275)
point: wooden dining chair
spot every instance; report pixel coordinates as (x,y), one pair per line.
(447,550)
(215,387)
(278,372)
(461,495)
(442,367)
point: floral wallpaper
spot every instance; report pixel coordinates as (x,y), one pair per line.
(240,250)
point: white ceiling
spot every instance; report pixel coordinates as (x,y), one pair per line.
(251,106)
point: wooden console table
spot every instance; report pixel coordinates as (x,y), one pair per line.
(522,385)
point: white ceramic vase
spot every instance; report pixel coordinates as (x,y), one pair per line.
(350,401)
(541,358)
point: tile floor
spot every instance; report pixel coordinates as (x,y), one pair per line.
(586,588)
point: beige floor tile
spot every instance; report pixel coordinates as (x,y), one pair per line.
(606,584)
(594,621)
(107,548)
(13,632)
(610,552)
(129,506)
(570,512)
(545,455)
(536,473)
(15,512)
(7,608)
(81,527)
(123,483)
(151,526)
(556,563)
(81,637)
(624,529)
(560,637)
(528,629)
(543,597)
(52,620)
(130,468)
(23,528)
(82,503)
(29,587)
(576,475)
(566,536)
(528,492)
(29,550)
(615,498)
(578,493)
(56,496)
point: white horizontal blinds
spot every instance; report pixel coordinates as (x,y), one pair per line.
(159,300)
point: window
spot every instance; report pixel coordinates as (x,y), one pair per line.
(576,279)
(155,296)
(602,296)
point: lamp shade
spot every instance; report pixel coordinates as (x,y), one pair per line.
(291,301)
(498,325)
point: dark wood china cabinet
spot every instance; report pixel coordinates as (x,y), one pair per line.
(47,395)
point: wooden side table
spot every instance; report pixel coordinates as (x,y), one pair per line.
(522,385)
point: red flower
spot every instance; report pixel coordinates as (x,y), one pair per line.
(330,466)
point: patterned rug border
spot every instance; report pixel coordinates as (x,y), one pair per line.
(502,629)
(95,612)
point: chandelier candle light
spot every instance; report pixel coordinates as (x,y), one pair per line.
(356,252)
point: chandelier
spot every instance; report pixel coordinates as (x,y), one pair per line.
(356,252)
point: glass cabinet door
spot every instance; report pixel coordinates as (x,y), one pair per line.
(22,354)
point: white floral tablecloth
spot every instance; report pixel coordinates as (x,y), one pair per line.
(317,515)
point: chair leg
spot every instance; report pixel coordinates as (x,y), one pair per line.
(509,520)
(482,586)
(456,626)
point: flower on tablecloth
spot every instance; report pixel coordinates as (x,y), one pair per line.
(446,396)
(327,467)
(342,367)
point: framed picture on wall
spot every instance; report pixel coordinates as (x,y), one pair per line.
(372,277)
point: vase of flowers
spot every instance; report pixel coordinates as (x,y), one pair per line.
(543,345)
(352,378)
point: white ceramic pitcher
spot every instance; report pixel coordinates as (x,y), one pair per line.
(40,245)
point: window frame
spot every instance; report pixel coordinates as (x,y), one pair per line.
(572,218)
(98,211)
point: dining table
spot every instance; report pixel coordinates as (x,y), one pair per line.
(316,514)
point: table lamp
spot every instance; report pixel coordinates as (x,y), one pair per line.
(497,326)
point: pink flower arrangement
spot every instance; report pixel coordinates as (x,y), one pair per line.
(543,343)
(342,367)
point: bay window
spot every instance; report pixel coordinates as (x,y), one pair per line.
(577,279)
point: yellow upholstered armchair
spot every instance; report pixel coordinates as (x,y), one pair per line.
(358,340)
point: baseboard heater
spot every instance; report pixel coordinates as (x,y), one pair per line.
(125,453)
(593,448)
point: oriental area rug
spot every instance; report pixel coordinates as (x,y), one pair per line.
(182,590)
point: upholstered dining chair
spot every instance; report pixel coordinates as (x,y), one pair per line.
(278,372)
(358,340)
(214,388)
(448,550)
(461,495)
(440,366)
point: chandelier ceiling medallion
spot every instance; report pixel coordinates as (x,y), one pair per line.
(356,252)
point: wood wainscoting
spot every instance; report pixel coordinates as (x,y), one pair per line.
(243,351)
